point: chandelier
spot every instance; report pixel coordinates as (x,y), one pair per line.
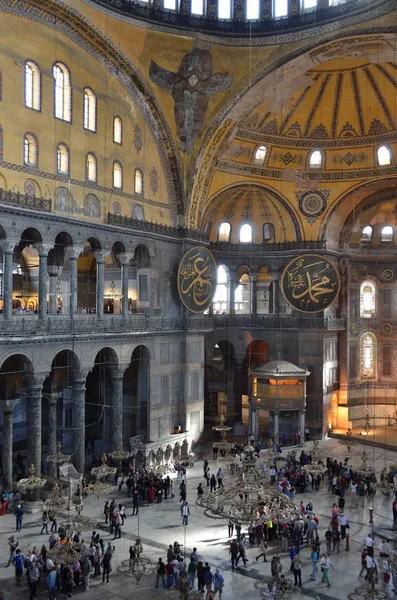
(224,447)
(58,458)
(67,552)
(55,501)
(385,486)
(277,588)
(135,568)
(247,502)
(104,470)
(366,469)
(268,455)
(32,482)
(98,488)
(182,591)
(120,454)
(349,442)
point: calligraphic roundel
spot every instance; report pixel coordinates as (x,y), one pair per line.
(197,279)
(310,283)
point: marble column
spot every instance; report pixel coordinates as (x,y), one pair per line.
(100,257)
(276,426)
(53,273)
(8,252)
(253,294)
(79,384)
(116,410)
(73,253)
(125,266)
(34,425)
(276,294)
(232,288)
(43,250)
(52,401)
(302,425)
(7,406)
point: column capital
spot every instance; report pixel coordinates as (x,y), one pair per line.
(125,258)
(100,255)
(8,246)
(52,397)
(54,270)
(73,252)
(7,405)
(43,249)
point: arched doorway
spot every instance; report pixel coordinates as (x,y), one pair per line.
(257,354)
(136,394)
(218,382)
(98,401)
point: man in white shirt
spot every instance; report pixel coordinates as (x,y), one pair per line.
(370,542)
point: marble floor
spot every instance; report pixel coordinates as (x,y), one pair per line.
(159,525)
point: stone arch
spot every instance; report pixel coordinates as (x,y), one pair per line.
(136,393)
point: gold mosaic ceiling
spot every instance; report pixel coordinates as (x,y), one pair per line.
(349,98)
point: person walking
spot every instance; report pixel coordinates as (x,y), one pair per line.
(185,512)
(44,522)
(219,582)
(230,526)
(106,511)
(191,571)
(325,564)
(160,573)
(86,570)
(219,477)
(13,545)
(262,550)
(33,578)
(200,491)
(314,558)
(328,539)
(18,562)
(53,519)
(135,501)
(208,577)
(233,550)
(19,517)
(106,564)
(297,569)
(51,584)
(212,483)
(364,555)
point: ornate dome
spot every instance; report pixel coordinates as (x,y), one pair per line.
(253,205)
(363,104)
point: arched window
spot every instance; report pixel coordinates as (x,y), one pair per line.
(62,92)
(224,9)
(366,234)
(246,234)
(89,117)
(316,160)
(280,8)
(269,233)
(367,300)
(117,174)
(30,150)
(117,130)
(138,213)
(197,7)
(242,296)
(309,4)
(32,86)
(221,296)
(138,181)
(384,156)
(387,234)
(260,155)
(224,232)
(92,206)
(91,167)
(368,356)
(252,10)
(63,159)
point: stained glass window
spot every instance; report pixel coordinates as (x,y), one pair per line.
(368,356)
(367,300)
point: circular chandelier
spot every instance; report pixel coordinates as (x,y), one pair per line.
(79,521)
(67,552)
(182,590)
(58,458)
(120,454)
(268,455)
(135,568)
(365,469)
(32,482)
(247,502)
(103,471)
(349,442)
(277,588)
(55,501)
(224,447)
(98,488)
(385,486)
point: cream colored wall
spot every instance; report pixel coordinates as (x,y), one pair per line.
(45,46)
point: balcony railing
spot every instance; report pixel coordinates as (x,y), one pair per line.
(25,326)
(229,247)
(279,322)
(293,391)
(158,228)
(26,201)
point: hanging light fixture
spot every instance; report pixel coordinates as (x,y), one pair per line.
(135,568)
(104,470)
(58,458)
(277,588)
(32,482)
